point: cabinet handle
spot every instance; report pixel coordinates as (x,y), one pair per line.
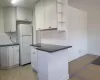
(26,19)
(49,26)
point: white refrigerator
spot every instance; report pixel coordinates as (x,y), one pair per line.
(24,33)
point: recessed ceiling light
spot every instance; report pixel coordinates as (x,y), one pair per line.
(13,1)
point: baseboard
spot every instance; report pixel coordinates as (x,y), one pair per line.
(78,57)
(6,68)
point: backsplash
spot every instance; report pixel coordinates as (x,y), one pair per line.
(54,37)
(4,39)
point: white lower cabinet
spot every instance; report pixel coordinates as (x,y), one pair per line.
(4,57)
(34,62)
(53,66)
(16,55)
(9,56)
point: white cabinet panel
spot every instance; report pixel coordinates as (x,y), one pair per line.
(10,55)
(48,65)
(34,61)
(24,14)
(50,14)
(4,57)
(16,55)
(39,15)
(9,19)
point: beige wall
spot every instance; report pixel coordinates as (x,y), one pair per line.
(77,36)
(93,22)
(94,31)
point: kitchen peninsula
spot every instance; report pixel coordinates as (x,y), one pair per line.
(52,61)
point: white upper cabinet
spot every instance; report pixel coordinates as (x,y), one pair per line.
(24,14)
(52,15)
(12,15)
(39,15)
(9,19)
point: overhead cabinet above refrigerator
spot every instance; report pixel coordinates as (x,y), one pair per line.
(51,14)
(24,14)
(12,15)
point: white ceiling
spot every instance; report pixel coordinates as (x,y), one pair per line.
(85,4)
(22,3)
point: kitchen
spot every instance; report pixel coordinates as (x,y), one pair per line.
(25,24)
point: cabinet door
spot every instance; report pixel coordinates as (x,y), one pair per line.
(34,61)
(11,56)
(9,19)
(4,57)
(50,14)
(16,55)
(24,14)
(39,15)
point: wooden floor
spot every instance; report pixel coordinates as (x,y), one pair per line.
(20,73)
(83,69)
(79,69)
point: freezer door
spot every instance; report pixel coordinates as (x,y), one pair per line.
(25,29)
(26,50)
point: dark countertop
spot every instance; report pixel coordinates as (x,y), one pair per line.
(8,45)
(50,48)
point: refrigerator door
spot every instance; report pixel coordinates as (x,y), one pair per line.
(25,29)
(25,39)
(26,49)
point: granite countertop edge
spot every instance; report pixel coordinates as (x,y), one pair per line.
(3,45)
(38,47)
(54,50)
